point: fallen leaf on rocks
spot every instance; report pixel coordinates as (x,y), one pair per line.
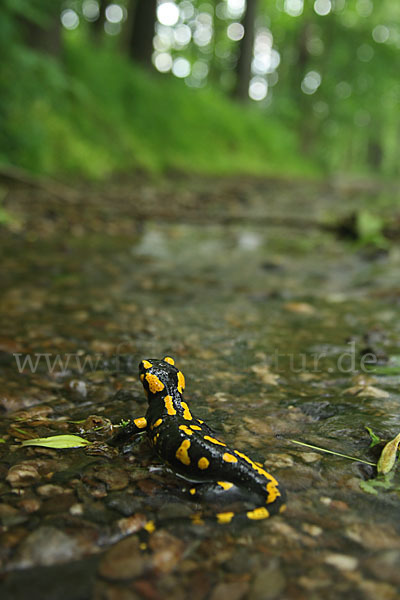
(58,442)
(388,456)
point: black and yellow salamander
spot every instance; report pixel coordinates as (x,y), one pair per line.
(190,448)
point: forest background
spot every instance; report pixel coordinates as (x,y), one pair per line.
(89,88)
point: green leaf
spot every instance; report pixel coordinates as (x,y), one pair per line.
(2,441)
(373,486)
(375,439)
(58,441)
(388,457)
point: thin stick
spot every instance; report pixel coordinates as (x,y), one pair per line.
(366,462)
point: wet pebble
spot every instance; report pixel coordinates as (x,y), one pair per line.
(167,551)
(113,477)
(268,584)
(343,562)
(10,516)
(29,505)
(313,530)
(385,565)
(46,546)
(230,591)
(279,461)
(78,386)
(123,502)
(124,561)
(132,524)
(49,489)
(370,535)
(22,474)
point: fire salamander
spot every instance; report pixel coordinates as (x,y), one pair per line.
(190,448)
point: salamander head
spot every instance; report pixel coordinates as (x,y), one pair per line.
(161,376)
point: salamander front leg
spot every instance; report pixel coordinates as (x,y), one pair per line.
(134,427)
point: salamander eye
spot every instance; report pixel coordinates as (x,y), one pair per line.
(169,360)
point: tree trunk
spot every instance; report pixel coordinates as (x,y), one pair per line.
(141,41)
(243,68)
(98,24)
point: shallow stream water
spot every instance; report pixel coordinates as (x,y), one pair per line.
(283,333)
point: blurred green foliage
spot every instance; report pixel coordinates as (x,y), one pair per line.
(88,110)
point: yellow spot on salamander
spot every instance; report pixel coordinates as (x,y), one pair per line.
(196,519)
(258,513)
(157,423)
(200,421)
(195,427)
(272,482)
(244,456)
(155,385)
(283,508)
(186,412)
(213,440)
(182,452)
(141,377)
(186,429)
(146,364)
(226,485)
(225,517)
(169,405)
(203,463)
(150,527)
(140,422)
(273,491)
(169,360)
(229,458)
(192,491)
(181,382)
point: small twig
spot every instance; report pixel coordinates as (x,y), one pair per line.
(332,452)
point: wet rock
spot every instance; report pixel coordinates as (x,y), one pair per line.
(76,509)
(230,591)
(385,565)
(113,477)
(57,504)
(264,374)
(124,561)
(301,308)
(311,529)
(106,591)
(280,461)
(49,489)
(22,474)
(123,502)
(371,590)
(175,510)
(30,505)
(79,387)
(46,546)
(10,516)
(132,524)
(268,584)
(371,535)
(318,410)
(368,391)
(167,551)
(343,562)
